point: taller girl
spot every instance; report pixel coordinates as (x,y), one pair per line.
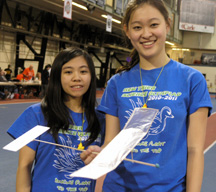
(176,138)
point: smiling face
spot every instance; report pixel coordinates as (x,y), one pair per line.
(147,30)
(75,78)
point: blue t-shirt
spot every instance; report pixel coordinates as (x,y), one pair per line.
(53,164)
(179,92)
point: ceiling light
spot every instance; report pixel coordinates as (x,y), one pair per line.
(114,20)
(80,6)
(167,42)
(179,49)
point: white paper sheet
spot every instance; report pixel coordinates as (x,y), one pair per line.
(27,137)
(115,152)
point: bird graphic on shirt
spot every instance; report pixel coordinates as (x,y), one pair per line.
(159,123)
(68,160)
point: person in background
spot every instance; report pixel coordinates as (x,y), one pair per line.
(6,91)
(28,73)
(45,79)
(68,108)
(2,76)
(2,79)
(37,76)
(176,138)
(20,76)
(3,96)
(8,72)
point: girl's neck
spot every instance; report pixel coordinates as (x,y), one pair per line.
(74,105)
(153,63)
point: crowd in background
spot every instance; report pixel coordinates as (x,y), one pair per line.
(27,75)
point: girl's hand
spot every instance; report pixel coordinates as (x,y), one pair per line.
(88,155)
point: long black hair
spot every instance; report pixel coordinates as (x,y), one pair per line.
(131,7)
(54,109)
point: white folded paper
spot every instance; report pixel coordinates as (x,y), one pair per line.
(115,152)
(27,137)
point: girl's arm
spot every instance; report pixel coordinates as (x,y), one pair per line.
(23,178)
(112,129)
(196,140)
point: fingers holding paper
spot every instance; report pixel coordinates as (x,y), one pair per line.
(88,155)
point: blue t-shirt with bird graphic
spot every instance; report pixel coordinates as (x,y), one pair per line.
(53,164)
(179,92)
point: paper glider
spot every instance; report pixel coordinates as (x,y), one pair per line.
(115,152)
(26,138)
(111,156)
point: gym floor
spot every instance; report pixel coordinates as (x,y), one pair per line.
(11,109)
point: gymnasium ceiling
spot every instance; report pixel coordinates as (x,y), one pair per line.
(91,16)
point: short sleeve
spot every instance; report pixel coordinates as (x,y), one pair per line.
(26,121)
(109,99)
(199,95)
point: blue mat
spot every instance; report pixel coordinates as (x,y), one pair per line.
(213,100)
(8,160)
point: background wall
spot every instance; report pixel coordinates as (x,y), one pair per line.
(197,40)
(210,75)
(197,43)
(8,52)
